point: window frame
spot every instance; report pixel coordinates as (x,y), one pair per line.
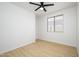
(47,24)
(54,23)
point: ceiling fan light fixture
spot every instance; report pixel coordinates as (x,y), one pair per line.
(41,8)
(41,5)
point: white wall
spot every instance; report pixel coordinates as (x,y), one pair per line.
(38,19)
(17,27)
(37,28)
(69,35)
(78,28)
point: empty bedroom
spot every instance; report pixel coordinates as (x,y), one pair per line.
(39,29)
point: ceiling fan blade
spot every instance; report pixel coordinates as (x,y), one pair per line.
(37,8)
(49,5)
(44,9)
(34,3)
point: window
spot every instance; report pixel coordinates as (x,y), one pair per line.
(51,24)
(55,24)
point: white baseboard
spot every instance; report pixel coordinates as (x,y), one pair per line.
(58,42)
(78,51)
(2,52)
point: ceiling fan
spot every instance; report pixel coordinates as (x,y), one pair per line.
(41,5)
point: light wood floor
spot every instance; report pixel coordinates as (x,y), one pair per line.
(43,49)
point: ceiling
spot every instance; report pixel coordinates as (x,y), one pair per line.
(57,6)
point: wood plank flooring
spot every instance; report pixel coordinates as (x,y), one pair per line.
(43,49)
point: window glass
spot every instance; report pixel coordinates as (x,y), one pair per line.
(55,24)
(51,24)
